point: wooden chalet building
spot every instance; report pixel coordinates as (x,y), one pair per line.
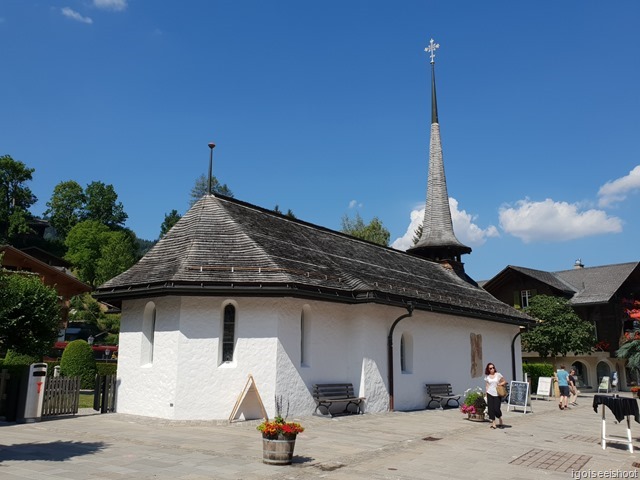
(606,296)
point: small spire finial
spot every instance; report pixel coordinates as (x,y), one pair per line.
(431,50)
(211,147)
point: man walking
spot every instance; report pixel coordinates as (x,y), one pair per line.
(563,384)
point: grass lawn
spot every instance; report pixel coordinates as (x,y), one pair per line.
(86,400)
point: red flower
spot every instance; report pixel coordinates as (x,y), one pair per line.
(279,427)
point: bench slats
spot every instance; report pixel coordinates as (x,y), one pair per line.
(327,394)
(438,392)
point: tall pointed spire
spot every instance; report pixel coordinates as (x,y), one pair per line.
(437,242)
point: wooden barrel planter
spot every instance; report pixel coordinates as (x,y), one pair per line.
(475,417)
(278,451)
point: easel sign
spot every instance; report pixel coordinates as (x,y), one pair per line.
(519,396)
(249,405)
(544,387)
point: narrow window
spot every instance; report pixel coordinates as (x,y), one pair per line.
(525,296)
(406,353)
(228,333)
(148,334)
(304,337)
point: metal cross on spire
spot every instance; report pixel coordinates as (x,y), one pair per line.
(431,49)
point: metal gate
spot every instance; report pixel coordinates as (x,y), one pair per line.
(104,397)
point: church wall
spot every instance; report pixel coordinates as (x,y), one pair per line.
(342,344)
(148,388)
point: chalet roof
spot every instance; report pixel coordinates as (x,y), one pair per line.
(549,278)
(584,286)
(63,281)
(227,247)
(597,284)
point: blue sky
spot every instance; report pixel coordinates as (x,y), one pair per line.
(324,108)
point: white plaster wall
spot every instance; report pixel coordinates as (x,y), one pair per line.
(346,344)
(442,354)
(148,389)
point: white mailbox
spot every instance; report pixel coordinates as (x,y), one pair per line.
(35,392)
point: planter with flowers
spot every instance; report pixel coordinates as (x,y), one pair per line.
(636,391)
(474,404)
(278,440)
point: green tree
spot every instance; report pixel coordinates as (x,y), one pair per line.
(85,308)
(84,243)
(288,214)
(15,197)
(170,219)
(66,207)
(374,231)
(29,314)
(101,205)
(631,352)
(201,187)
(98,253)
(417,234)
(117,254)
(559,329)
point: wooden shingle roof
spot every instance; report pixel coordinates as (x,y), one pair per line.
(583,286)
(223,246)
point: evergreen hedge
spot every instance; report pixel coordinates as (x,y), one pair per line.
(78,361)
(537,370)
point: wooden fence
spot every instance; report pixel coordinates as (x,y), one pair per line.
(61,396)
(4,384)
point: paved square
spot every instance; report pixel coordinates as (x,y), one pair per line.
(550,460)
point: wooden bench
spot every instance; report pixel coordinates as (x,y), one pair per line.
(439,392)
(328,394)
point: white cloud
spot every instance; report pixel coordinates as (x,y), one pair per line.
(466,231)
(551,221)
(116,5)
(354,204)
(72,14)
(616,190)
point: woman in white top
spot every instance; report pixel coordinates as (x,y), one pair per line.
(492,380)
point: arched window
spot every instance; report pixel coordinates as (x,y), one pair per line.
(603,370)
(406,353)
(228,333)
(148,334)
(581,373)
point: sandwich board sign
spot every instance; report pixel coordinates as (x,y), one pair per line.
(519,396)
(544,387)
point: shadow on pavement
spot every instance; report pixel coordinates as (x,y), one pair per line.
(52,451)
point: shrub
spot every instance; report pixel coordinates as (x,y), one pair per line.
(13,358)
(107,368)
(78,361)
(535,371)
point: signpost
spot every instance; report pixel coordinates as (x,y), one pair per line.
(519,396)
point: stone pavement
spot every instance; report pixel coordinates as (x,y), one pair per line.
(548,443)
